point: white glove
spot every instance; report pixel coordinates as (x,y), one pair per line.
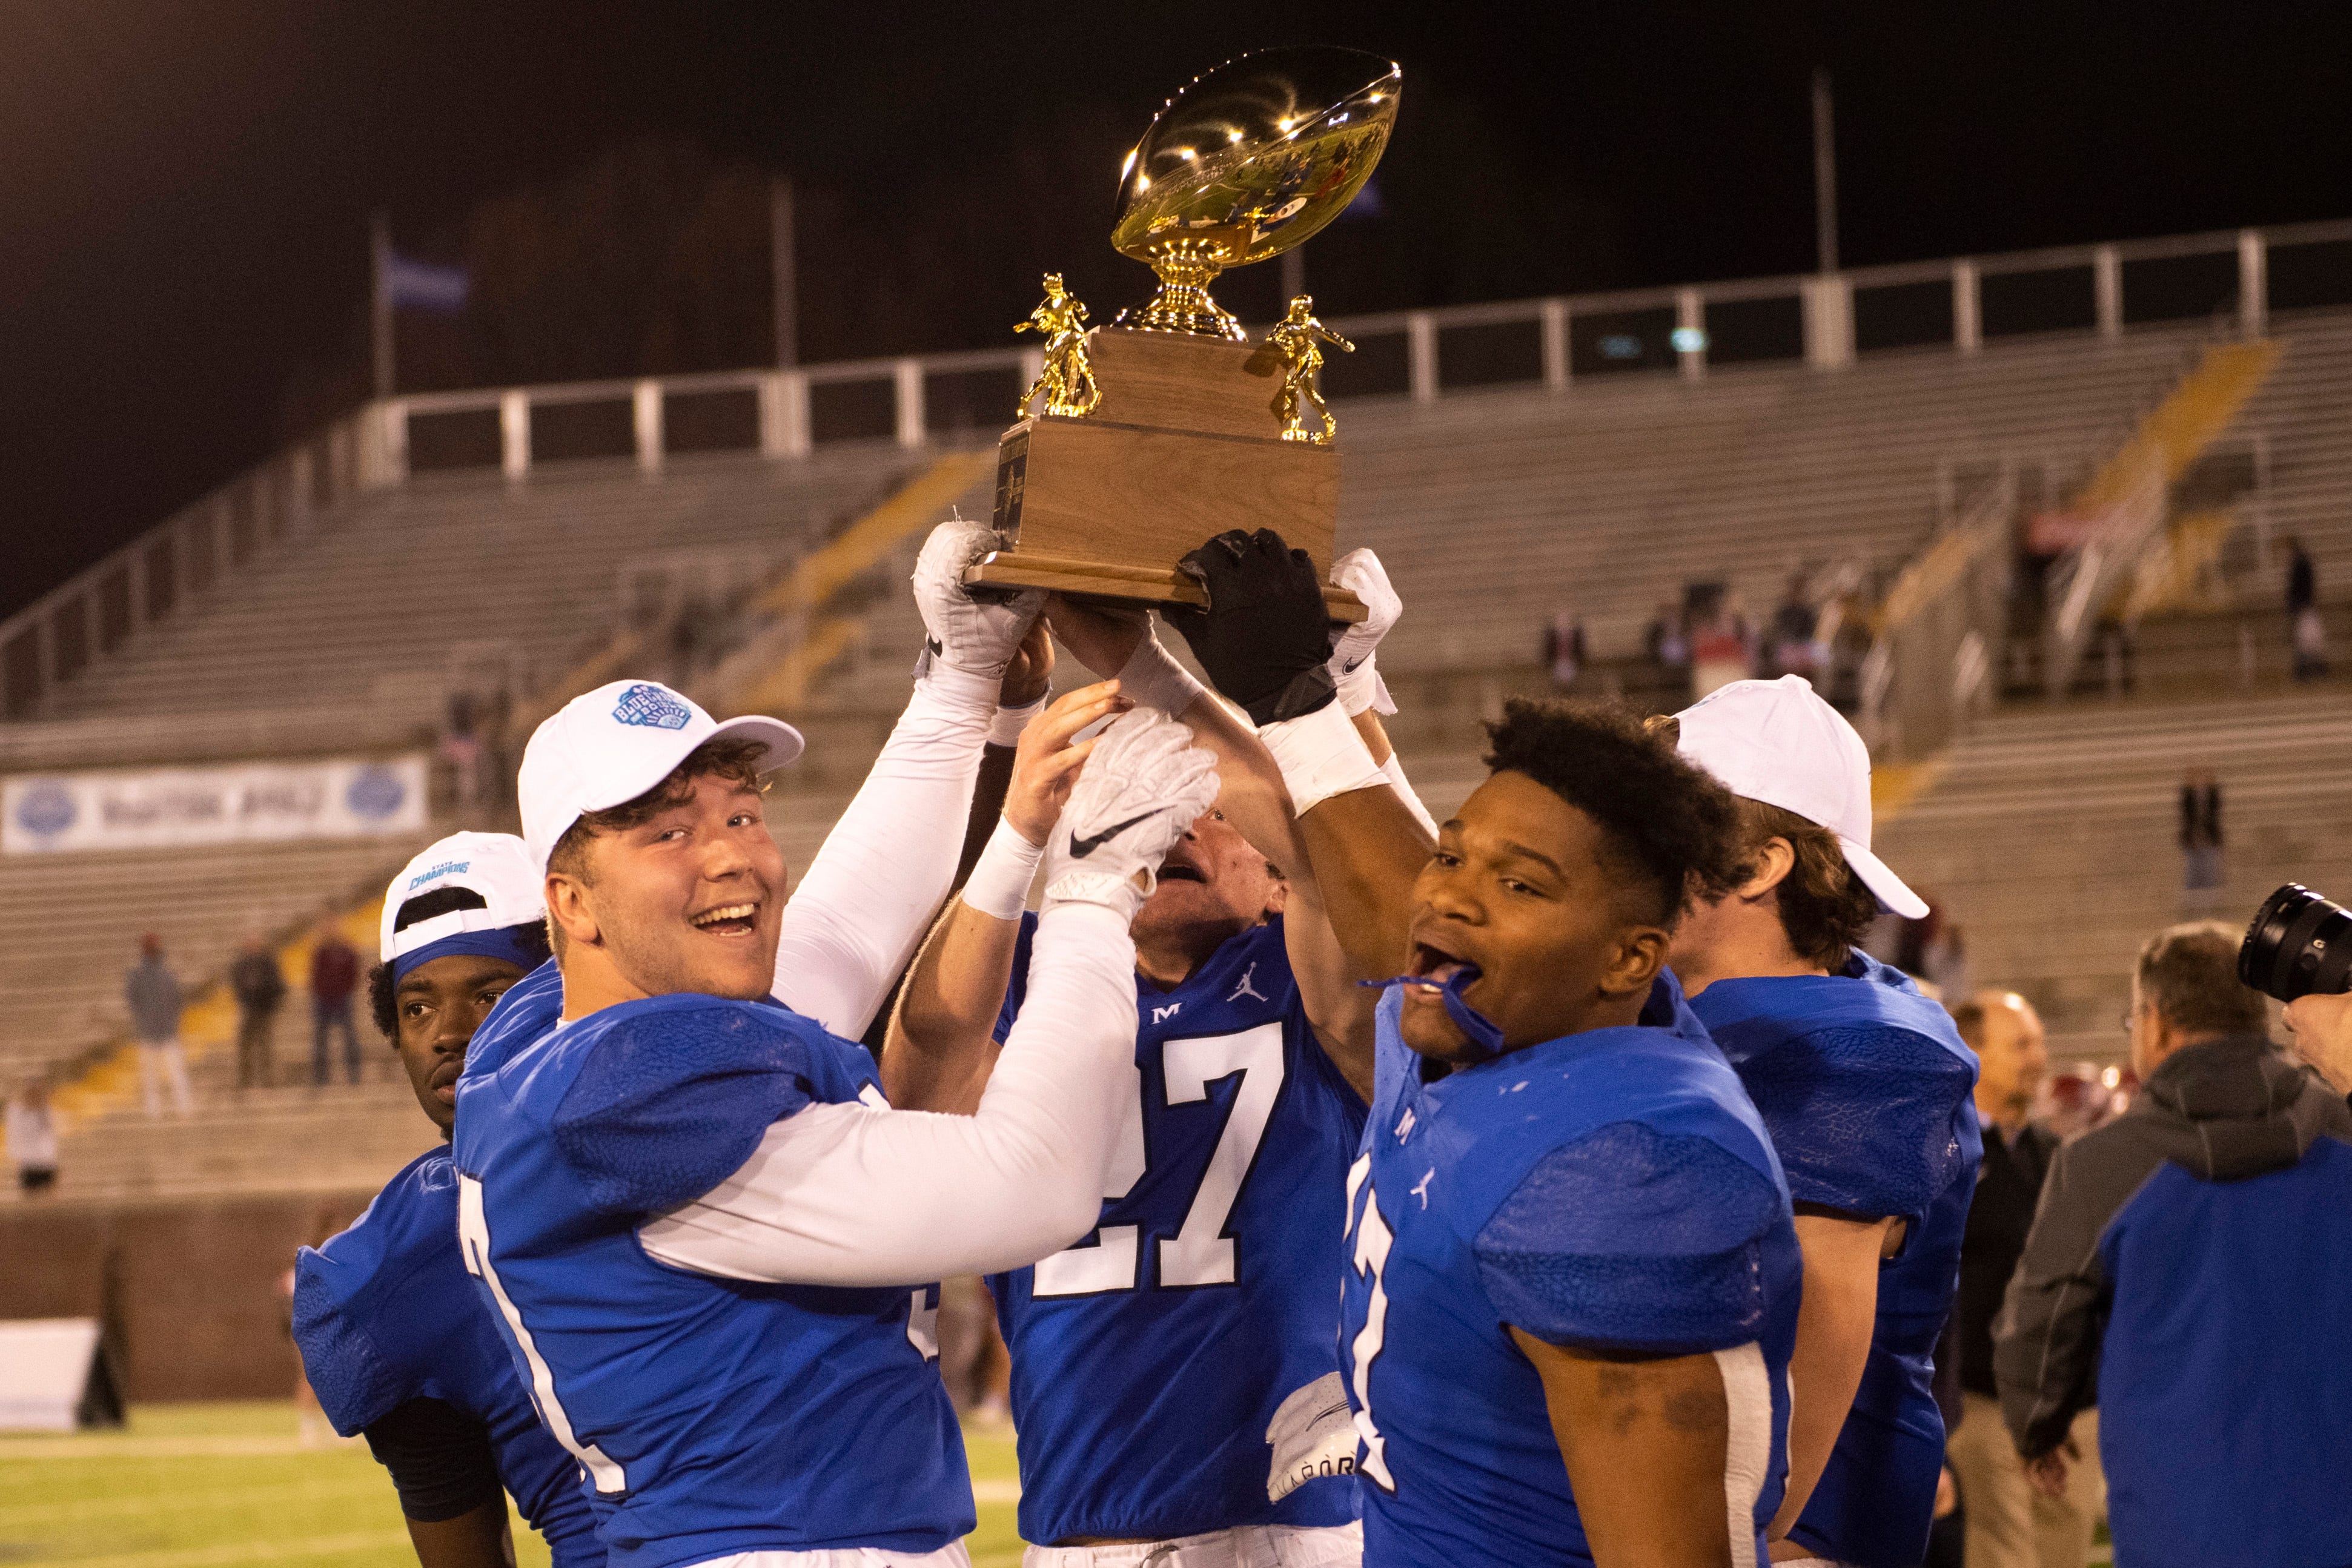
(1143,785)
(1353,669)
(1312,1436)
(968,634)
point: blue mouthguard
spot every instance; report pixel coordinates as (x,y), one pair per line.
(1475,1025)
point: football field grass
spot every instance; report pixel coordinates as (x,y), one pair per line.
(216,1486)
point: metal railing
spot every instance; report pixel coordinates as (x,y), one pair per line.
(1935,662)
(1823,321)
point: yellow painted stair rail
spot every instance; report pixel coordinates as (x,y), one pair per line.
(823,573)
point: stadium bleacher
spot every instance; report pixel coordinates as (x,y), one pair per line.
(1494,507)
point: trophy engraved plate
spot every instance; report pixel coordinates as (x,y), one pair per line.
(1140,441)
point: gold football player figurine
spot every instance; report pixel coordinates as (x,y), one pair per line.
(1068,381)
(1298,337)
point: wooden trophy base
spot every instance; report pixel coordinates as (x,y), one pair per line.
(1183,446)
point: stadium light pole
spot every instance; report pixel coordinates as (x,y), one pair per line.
(782,271)
(1824,173)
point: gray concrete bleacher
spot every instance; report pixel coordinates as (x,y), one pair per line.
(2047,834)
(1501,509)
(1495,509)
(70,923)
(354,636)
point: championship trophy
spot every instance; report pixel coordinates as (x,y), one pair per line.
(1169,426)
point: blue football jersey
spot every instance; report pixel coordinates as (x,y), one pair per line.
(1613,1191)
(383,1313)
(1149,1359)
(1867,1091)
(713,1416)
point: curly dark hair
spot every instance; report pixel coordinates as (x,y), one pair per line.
(382,1004)
(1673,829)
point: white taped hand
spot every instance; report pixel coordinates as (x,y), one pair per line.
(1353,671)
(1145,783)
(980,636)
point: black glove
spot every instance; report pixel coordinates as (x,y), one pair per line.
(1265,638)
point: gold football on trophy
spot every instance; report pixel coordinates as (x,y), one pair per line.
(1248,160)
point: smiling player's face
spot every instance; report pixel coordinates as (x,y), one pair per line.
(1522,886)
(437,1007)
(692,899)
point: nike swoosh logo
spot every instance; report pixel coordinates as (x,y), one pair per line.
(1081,848)
(937,649)
(1350,667)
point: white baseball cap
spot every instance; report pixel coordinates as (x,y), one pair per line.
(495,867)
(611,745)
(1778,742)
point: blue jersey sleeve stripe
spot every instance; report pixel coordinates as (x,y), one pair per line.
(671,1100)
(353,1384)
(1631,1239)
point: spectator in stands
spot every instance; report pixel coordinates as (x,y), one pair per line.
(1944,957)
(259,987)
(153,990)
(1563,649)
(2305,632)
(2008,1523)
(2186,1268)
(1666,642)
(461,748)
(1722,645)
(32,1129)
(2201,842)
(334,976)
(2323,1036)
(1791,649)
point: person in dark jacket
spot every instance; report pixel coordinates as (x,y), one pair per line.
(2186,1270)
(259,987)
(334,976)
(2008,1524)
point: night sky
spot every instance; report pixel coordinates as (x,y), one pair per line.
(185,185)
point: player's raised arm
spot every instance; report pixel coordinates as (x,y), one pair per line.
(1252,799)
(849,1194)
(941,1045)
(873,888)
(1266,643)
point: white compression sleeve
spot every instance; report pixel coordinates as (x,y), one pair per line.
(1394,768)
(850,1194)
(873,889)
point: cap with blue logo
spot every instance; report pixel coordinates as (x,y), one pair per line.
(611,745)
(495,868)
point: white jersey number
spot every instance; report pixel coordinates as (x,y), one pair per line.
(473,1242)
(1200,1253)
(1369,1258)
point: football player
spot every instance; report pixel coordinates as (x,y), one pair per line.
(703,1229)
(1866,1088)
(394,1338)
(1174,1388)
(1572,1277)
